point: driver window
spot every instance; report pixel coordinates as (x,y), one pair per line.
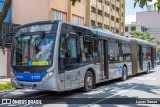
(68,47)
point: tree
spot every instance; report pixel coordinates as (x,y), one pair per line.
(143,3)
(4,11)
(145,36)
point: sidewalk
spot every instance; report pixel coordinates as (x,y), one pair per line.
(5,80)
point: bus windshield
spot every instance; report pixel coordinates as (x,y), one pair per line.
(33,50)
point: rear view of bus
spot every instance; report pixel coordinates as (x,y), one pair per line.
(33,55)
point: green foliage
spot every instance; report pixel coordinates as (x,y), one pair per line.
(5,86)
(73,2)
(143,3)
(144,36)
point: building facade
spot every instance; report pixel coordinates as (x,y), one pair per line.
(150,19)
(106,14)
(5,58)
(26,11)
(103,14)
(135,26)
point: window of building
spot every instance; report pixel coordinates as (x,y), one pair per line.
(143,29)
(133,28)
(93,23)
(117,30)
(100,12)
(77,20)
(117,20)
(126,29)
(93,9)
(106,2)
(99,25)
(100,1)
(112,18)
(106,14)
(106,26)
(58,15)
(117,9)
(122,5)
(112,6)
(122,14)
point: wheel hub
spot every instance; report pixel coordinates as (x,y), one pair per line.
(89,81)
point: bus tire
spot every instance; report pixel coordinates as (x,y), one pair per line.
(124,73)
(148,68)
(88,81)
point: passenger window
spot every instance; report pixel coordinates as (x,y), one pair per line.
(88,48)
(72,47)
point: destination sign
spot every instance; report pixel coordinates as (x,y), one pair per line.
(35,28)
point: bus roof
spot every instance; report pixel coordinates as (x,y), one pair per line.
(101,33)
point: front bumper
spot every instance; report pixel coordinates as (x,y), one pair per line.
(49,84)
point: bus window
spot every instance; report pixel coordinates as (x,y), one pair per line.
(88,48)
(72,48)
(120,49)
(148,53)
(82,49)
(126,52)
(113,51)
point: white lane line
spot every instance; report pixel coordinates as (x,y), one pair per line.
(39,96)
(108,97)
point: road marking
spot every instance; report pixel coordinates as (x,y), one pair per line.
(39,96)
(108,97)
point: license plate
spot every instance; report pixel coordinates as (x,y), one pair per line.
(27,87)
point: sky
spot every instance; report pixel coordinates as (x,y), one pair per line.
(131,11)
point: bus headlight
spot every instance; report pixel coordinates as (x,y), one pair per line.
(48,75)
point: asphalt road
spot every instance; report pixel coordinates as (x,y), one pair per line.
(140,86)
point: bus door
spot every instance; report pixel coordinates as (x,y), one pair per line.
(69,60)
(140,57)
(103,49)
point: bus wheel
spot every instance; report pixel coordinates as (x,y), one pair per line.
(88,81)
(148,68)
(124,74)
